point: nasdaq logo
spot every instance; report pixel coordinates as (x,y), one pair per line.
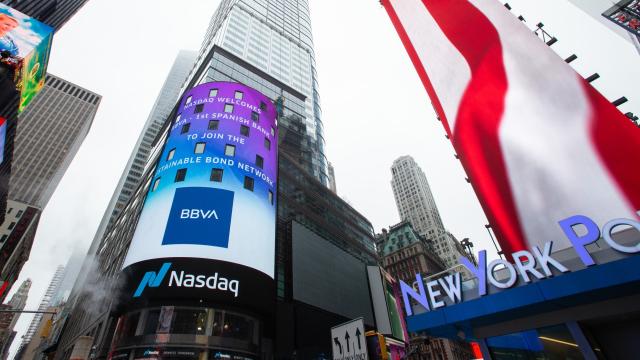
(199,216)
(152,279)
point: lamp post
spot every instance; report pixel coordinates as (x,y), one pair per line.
(468,246)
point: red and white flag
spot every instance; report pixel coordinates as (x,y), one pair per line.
(537,141)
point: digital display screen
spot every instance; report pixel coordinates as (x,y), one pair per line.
(25,44)
(207,228)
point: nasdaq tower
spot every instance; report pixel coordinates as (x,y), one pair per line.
(319,245)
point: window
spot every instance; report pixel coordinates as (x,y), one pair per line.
(9,211)
(270,197)
(155,184)
(185,128)
(248,183)
(199,108)
(18,214)
(4,237)
(259,161)
(188,100)
(239,95)
(216,175)
(213,124)
(14,223)
(199,149)
(230,150)
(151,322)
(228,108)
(267,144)
(263,106)
(213,92)
(180,175)
(255,116)
(171,153)
(187,321)
(244,130)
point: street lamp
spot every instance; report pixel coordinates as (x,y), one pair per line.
(468,246)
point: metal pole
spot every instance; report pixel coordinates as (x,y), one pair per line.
(27,311)
(493,240)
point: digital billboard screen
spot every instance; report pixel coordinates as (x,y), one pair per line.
(3,137)
(207,228)
(24,46)
(327,277)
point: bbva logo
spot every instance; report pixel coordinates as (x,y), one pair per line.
(152,279)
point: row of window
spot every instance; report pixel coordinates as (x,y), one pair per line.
(239,95)
(216,176)
(229,150)
(244,131)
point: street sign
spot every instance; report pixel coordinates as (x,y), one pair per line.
(348,341)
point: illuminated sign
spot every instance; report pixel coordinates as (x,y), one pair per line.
(527,265)
(207,228)
(3,137)
(24,46)
(625,14)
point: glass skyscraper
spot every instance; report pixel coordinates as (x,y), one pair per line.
(274,39)
(322,244)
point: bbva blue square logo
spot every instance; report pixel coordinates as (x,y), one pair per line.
(199,216)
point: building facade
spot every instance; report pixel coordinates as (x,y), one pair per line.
(416,204)
(17,233)
(314,226)
(54,13)
(49,134)
(9,319)
(132,173)
(36,322)
(404,253)
(275,38)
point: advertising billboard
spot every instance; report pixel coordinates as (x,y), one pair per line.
(387,304)
(207,228)
(24,46)
(537,141)
(3,137)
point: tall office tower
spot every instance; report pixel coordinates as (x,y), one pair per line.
(44,304)
(133,171)
(9,319)
(54,13)
(320,239)
(416,204)
(274,38)
(49,134)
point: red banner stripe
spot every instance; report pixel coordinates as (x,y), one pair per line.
(617,141)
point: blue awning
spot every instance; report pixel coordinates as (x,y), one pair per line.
(597,283)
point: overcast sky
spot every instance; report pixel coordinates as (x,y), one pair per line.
(374,107)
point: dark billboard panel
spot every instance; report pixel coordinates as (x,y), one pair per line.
(24,45)
(207,229)
(328,277)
